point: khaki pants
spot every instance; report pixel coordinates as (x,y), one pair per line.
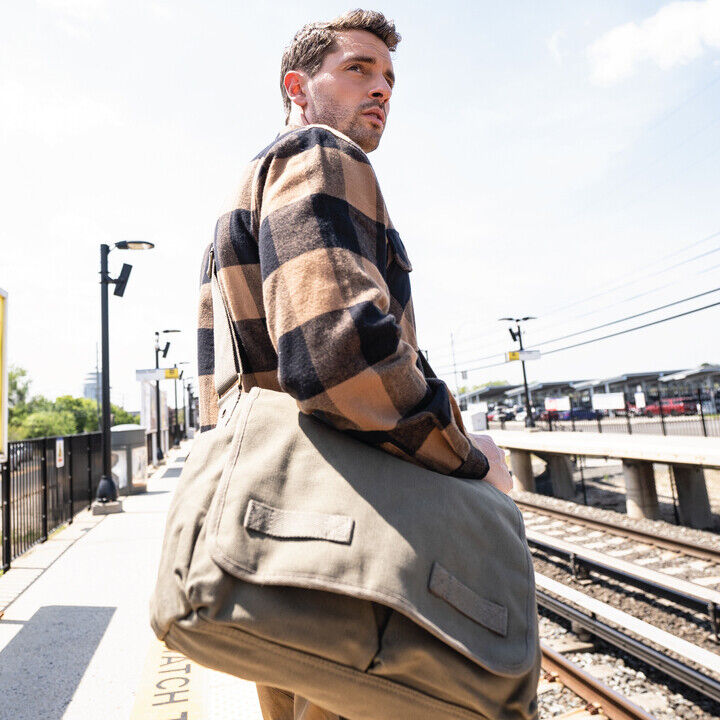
(279,704)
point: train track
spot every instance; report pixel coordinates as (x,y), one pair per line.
(599,698)
(684,546)
(589,549)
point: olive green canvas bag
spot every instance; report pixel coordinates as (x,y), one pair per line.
(298,557)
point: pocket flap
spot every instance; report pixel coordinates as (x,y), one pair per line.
(303,505)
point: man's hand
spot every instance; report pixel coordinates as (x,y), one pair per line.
(498,474)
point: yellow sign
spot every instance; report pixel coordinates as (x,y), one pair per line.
(512,355)
(172,374)
(3,377)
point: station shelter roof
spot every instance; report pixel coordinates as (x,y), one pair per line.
(701,372)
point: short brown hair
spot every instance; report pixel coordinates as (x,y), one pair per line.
(313,41)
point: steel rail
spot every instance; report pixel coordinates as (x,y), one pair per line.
(613,705)
(684,546)
(704,684)
(679,597)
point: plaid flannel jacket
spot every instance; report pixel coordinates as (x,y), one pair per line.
(316,280)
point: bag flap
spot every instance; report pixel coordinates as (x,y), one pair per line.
(304,505)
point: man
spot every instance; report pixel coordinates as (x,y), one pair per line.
(317,279)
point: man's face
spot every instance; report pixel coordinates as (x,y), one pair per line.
(351,90)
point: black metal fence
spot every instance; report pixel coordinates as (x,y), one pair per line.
(696,413)
(38,496)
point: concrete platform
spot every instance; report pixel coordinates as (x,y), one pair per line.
(75,642)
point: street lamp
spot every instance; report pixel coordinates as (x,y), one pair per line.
(516,335)
(107,491)
(183,387)
(159,454)
(176,424)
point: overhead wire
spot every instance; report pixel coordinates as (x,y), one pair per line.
(646,276)
(611,335)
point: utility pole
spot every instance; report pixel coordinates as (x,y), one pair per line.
(164,352)
(452,350)
(516,335)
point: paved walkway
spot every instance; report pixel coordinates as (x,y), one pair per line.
(75,642)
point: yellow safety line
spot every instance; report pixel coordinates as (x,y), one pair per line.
(171,687)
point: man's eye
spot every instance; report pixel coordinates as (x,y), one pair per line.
(355,67)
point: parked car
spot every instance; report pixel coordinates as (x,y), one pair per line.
(501,413)
(672,406)
(574,414)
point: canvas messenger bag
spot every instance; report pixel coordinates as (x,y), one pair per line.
(298,557)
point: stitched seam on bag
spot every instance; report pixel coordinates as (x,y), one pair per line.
(225,481)
(356,675)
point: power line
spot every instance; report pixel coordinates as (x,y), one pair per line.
(628,330)
(606,337)
(629,317)
(574,303)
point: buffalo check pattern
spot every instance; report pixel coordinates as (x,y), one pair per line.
(316,281)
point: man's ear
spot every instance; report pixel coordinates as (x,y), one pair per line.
(295,82)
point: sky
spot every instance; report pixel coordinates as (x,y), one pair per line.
(554,159)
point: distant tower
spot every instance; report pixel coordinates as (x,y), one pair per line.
(92,385)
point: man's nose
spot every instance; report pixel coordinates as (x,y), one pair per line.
(381,90)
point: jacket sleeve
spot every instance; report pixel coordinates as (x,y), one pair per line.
(322,231)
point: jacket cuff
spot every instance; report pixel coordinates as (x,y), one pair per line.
(475,467)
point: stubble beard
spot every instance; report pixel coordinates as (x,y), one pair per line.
(350,123)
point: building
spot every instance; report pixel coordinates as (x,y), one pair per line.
(92,386)
(489,394)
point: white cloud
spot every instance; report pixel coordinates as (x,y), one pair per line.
(75,9)
(553,44)
(675,35)
(45,112)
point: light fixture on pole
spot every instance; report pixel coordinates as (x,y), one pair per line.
(107,491)
(159,453)
(516,335)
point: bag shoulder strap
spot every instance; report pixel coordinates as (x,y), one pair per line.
(228,366)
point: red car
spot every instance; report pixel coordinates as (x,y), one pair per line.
(672,406)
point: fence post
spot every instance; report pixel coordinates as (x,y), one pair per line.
(598,415)
(6,549)
(43,467)
(627,417)
(662,415)
(89,472)
(702,412)
(68,463)
(572,414)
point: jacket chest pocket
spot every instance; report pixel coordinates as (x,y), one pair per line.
(397,274)
(397,252)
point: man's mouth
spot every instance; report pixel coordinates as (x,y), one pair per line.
(376,114)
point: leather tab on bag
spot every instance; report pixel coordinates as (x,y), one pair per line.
(484,612)
(297,525)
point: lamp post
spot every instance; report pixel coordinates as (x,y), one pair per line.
(183,387)
(517,336)
(176,424)
(107,492)
(159,453)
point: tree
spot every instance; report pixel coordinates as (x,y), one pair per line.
(45,423)
(83,410)
(120,416)
(37,416)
